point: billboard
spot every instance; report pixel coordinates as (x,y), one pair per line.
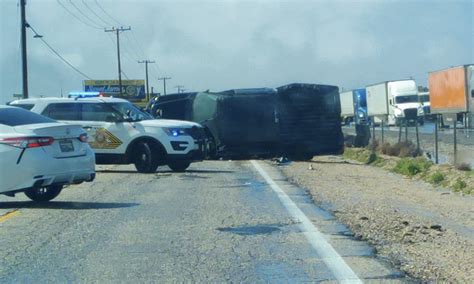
(133,90)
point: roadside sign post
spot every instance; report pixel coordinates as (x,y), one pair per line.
(382,130)
(373,132)
(406,131)
(436,139)
(399,133)
(417,137)
(455,140)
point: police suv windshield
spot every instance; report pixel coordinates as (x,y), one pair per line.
(130,112)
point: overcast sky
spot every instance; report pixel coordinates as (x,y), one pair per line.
(220,45)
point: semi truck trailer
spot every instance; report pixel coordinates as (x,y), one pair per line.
(347,107)
(354,106)
(394,102)
(452,94)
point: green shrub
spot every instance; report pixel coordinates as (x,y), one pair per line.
(436,178)
(372,158)
(411,167)
(459,185)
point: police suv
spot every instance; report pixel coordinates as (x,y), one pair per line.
(120,133)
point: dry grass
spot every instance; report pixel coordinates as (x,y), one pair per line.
(401,149)
(418,167)
(463,167)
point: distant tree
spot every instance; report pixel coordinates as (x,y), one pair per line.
(423,89)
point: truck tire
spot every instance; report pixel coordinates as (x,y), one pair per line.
(43,194)
(144,159)
(179,166)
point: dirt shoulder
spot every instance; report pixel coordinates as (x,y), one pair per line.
(426,231)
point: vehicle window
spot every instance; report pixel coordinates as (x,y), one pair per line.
(406,99)
(24,106)
(99,112)
(19,116)
(63,111)
(130,111)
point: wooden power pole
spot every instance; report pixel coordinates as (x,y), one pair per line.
(117,32)
(146,75)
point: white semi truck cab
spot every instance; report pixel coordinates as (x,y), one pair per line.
(395,101)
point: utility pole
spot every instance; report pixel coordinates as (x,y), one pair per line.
(24,67)
(164,83)
(146,74)
(180,88)
(117,32)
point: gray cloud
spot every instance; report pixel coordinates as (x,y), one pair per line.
(229,44)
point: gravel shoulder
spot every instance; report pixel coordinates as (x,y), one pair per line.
(428,232)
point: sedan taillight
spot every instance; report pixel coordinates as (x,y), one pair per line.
(27,142)
(83,137)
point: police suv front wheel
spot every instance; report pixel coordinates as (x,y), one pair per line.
(144,159)
(179,166)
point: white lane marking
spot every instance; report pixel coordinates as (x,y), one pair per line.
(329,255)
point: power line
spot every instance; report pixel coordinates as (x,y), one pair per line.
(64,60)
(135,42)
(77,18)
(123,72)
(105,12)
(97,15)
(136,54)
(84,14)
(57,53)
(127,54)
(131,49)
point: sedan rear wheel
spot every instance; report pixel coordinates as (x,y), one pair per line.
(42,194)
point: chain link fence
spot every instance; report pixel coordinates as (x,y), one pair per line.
(454,146)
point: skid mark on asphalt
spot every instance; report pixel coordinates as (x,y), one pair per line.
(329,255)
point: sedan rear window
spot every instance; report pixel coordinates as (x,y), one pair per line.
(18,116)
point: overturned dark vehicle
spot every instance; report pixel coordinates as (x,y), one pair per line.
(296,120)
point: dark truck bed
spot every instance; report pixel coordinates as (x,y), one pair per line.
(296,120)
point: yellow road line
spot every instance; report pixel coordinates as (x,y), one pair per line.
(9,215)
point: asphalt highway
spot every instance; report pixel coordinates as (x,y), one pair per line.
(220,221)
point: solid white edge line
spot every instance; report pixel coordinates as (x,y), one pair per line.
(337,265)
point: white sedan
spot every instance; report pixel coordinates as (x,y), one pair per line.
(38,155)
